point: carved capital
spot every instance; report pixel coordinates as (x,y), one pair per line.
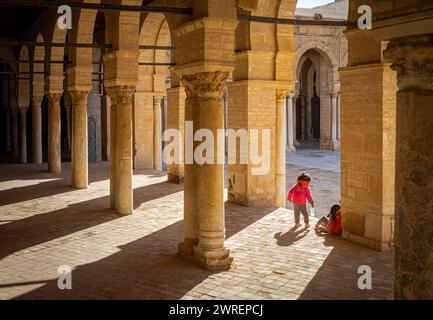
(205,85)
(23,109)
(54,99)
(412,58)
(78,97)
(120,95)
(157,101)
(282,95)
(37,101)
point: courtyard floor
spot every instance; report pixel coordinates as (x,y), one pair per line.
(44,224)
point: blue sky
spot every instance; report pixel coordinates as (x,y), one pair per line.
(312,3)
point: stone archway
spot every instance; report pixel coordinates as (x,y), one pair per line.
(149,114)
(315,74)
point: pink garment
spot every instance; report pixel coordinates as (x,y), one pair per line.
(300,195)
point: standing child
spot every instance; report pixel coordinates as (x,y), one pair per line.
(299,195)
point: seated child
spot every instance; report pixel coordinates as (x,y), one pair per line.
(332,222)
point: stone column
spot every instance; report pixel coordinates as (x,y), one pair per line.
(8,130)
(295,120)
(67,101)
(54,144)
(23,134)
(290,124)
(204,210)
(334,137)
(412,58)
(176,120)
(280,149)
(79,140)
(121,148)
(157,134)
(15,125)
(37,129)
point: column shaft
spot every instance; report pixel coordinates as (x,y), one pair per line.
(205,107)
(23,134)
(15,138)
(157,142)
(414,166)
(54,145)
(8,130)
(334,138)
(121,149)
(37,129)
(290,125)
(280,149)
(176,120)
(79,140)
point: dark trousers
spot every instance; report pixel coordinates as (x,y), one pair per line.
(301,208)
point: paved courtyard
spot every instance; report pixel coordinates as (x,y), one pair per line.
(45,224)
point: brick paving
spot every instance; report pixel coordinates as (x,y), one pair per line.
(45,224)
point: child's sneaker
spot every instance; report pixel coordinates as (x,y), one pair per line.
(297,225)
(307,226)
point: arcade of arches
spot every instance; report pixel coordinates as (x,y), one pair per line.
(366,93)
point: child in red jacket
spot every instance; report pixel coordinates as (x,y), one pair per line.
(332,222)
(299,195)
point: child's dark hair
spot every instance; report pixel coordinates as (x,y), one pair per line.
(305,177)
(333,213)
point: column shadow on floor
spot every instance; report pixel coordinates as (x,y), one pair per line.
(337,278)
(147,268)
(25,233)
(61,184)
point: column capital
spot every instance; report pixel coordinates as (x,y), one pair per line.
(37,101)
(282,95)
(205,85)
(412,58)
(54,97)
(120,94)
(23,109)
(77,97)
(334,95)
(157,100)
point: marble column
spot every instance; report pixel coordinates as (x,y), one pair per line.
(37,129)
(334,137)
(204,219)
(23,134)
(121,198)
(79,140)
(8,130)
(54,144)
(15,137)
(280,149)
(290,124)
(412,58)
(157,134)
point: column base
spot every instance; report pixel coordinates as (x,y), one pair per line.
(296,143)
(185,249)
(174,178)
(335,145)
(213,260)
(291,149)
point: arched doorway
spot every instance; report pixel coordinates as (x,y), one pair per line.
(313,100)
